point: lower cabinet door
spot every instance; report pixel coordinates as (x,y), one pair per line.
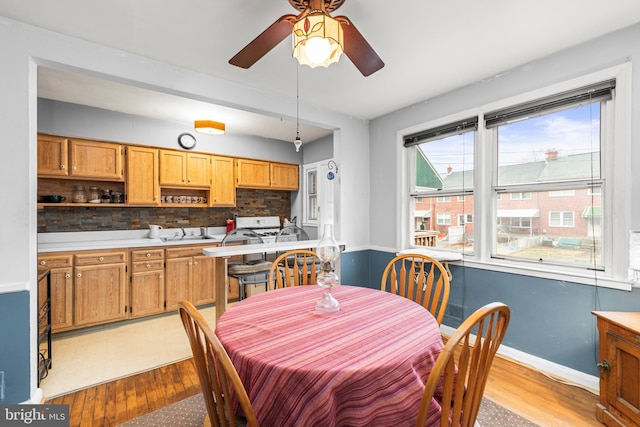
(147,293)
(203,285)
(61,298)
(99,293)
(178,273)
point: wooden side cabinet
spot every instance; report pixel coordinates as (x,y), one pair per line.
(619,365)
(147,282)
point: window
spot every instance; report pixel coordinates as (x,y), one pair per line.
(444,218)
(562,193)
(520,196)
(312,195)
(443,182)
(528,181)
(561,219)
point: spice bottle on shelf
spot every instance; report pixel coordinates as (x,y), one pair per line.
(94,195)
(79,195)
(106,196)
(116,197)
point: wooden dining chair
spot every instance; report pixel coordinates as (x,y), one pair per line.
(218,377)
(459,376)
(420,278)
(294,268)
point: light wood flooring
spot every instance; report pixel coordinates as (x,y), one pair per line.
(519,388)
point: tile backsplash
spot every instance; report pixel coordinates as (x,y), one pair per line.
(81,218)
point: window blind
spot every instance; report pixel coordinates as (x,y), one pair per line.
(439,132)
(593,93)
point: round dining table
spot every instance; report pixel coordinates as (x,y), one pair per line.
(365,365)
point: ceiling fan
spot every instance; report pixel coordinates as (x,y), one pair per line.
(355,46)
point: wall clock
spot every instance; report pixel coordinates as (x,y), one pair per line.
(187,141)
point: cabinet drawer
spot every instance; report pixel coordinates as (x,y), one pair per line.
(142,266)
(147,255)
(184,252)
(101,258)
(625,334)
(55,261)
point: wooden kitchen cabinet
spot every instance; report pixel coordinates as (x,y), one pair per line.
(53,156)
(223,190)
(619,364)
(261,174)
(61,278)
(252,173)
(142,186)
(147,282)
(180,169)
(96,160)
(189,275)
(284,176)
(100,283)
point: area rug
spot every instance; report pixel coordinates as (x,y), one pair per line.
(190,412)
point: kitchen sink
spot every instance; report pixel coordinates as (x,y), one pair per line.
(183,238)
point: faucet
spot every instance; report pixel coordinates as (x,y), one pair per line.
(203,231)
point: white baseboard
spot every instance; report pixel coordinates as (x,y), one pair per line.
(557,371)
(36,398)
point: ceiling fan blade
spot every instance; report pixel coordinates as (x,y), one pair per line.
(266,41)
(358,49)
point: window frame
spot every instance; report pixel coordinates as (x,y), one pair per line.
(615,170)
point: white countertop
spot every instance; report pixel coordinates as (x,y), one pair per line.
(90,240)
(227,251)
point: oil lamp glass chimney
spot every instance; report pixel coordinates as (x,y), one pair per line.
(328,252)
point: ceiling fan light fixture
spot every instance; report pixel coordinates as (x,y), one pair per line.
(209,127)
(317,40)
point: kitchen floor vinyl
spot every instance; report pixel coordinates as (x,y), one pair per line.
(86,358)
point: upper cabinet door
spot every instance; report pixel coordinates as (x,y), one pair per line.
(98,160)
(142,176)
(198,170)
(284,176)
(53,156)
(252,174)
(223,190)
(173,168)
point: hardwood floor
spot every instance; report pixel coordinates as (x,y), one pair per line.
(519,388)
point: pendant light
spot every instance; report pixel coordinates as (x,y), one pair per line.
(297,142)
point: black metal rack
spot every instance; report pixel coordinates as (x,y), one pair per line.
(44,324)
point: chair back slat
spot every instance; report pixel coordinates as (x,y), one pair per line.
(218,377)
(294,268)
(463,366)
(419,278)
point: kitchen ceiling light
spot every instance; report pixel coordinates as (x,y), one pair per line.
(209,127)
(317,40)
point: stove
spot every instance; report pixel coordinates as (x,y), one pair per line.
(266,227)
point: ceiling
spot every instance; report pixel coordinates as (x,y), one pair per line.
(429,48)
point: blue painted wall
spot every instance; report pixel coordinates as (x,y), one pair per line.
(550,319)
(14,346)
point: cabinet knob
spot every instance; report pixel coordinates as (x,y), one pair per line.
(604,366)
(67,276)
(43,262)
(148,255)
(148,266)
(62,166)
(161,276)
(195,263)
(73,168)
(79,275)
(101,259)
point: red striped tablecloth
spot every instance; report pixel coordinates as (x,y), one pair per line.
(363,366)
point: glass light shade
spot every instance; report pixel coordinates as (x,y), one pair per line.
(209,127)
(297,143)
(317,40)
(328,251)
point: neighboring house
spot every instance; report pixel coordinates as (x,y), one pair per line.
(554,214)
